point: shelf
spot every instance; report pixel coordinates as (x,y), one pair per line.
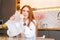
(17,4)
(52,29)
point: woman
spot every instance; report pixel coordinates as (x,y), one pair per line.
(29,22)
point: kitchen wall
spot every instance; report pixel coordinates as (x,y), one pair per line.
(40,3)
(50,19)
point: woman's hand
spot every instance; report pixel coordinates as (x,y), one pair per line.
(21,16)
(12,17)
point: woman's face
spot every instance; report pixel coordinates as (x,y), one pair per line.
(25,12)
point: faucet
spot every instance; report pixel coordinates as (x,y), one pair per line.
(45,25)
(58,16)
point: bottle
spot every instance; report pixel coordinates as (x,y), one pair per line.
(44,25)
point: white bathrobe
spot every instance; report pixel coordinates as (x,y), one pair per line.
(30,32)
(16,27)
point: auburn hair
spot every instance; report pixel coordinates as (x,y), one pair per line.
(30,13)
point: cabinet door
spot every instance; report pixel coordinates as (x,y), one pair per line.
(54,34)
(7,9)
(41,33)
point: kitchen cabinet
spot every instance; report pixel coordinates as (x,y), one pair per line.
(49,33)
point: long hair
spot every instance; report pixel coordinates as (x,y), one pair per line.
(30,13)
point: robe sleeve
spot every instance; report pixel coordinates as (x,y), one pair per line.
(15,26)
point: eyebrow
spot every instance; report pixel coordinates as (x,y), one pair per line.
(24,10)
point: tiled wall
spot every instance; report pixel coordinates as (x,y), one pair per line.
(50,20)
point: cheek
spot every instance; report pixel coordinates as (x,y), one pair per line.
(26,15)
(23,13)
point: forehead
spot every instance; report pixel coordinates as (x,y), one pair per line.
(25,8)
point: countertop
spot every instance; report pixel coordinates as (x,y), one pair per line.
(17,38)
(49,29)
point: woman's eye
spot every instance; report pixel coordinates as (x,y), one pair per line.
(23,10)
(27,11)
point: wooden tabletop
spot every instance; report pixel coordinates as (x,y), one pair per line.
(18,38)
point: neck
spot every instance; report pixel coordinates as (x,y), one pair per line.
(25,19)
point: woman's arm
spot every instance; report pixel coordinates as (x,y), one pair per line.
(12,17)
